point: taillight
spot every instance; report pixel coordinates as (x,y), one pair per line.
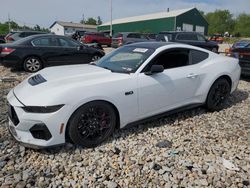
(228,52)
(9,39)
(6,51)
(120,41)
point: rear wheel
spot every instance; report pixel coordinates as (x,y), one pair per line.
(32,64)
(92,124)
(215,50)
(218,94)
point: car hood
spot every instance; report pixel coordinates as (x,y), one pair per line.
(61,82)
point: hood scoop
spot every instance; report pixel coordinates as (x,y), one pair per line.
(37,79)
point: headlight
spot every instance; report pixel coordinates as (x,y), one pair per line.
(42,109)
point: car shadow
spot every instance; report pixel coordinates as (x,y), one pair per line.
(237,97)
(245,78)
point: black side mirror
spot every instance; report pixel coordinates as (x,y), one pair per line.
(155,69)
(81,47)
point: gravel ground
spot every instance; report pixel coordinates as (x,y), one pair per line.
(189,149)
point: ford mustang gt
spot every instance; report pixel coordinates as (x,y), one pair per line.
(84,104)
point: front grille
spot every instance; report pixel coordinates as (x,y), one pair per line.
(12,115)
(37,79)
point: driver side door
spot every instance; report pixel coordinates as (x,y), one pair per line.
(174,87)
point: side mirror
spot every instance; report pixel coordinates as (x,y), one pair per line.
(81,47)
(155,69)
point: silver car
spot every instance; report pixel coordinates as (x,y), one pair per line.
(122,38)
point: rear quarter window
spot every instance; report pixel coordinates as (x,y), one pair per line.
(198,56)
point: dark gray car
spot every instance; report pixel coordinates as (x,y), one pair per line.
(122,38)
(17,35)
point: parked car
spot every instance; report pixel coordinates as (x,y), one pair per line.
(85,103)
(122,38)
(192,38)
(217,38)
(241,50)
(38,51)
(78,35)
(17,35)
(100,38)
(2,40)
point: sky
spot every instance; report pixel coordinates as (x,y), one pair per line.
(45,12)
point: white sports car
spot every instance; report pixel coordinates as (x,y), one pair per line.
(85,103)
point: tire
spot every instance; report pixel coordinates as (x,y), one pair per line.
(92,124)
(218,94)
(95,57)
(32,64)
(214,50)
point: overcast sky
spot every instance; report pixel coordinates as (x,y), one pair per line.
(45,12)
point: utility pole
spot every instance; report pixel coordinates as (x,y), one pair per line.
(111,18)
(9,21)
(83,21)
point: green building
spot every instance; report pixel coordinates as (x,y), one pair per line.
(176,20)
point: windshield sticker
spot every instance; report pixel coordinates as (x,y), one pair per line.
(141,50)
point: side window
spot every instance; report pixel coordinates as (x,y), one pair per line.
(182,37)
(186,36)
(201,38)
(172,59)
(67,43)
(131,35)
(41,42)
(193,37)
(197,56)
(22,34)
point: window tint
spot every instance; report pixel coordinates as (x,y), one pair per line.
(172,59)
(117,35)
(67,43)
(198,56)
(22,34)
(186,36)
(201,38)
(134,35)
(41,42)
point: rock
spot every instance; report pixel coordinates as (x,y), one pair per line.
(111,184)
(164,144)
(157,167)
(21,184)
(246,183)
(229,165)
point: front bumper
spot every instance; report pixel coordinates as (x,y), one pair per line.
(36,130)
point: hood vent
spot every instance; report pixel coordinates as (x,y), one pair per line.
(37,79)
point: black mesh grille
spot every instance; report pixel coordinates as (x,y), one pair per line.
(12,115)
(37,79)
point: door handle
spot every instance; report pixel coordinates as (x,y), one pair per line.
(192,75)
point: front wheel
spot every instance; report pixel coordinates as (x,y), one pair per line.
(95,57)
(92,124)
(32,64)
(218,94)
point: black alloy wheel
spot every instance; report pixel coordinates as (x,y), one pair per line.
(218,95)
(92,123)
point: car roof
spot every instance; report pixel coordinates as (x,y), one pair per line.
(151,45)
(175,32)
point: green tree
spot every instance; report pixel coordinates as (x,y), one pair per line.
(91,21)
(220,21)
(242,25)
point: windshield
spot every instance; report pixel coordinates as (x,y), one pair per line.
(126,59)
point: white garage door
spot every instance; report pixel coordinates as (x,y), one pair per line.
(200,29)
(187,27)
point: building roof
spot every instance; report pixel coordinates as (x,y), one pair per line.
(153,16)
(75,25)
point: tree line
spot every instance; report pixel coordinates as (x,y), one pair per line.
(221,21)
(4,27)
